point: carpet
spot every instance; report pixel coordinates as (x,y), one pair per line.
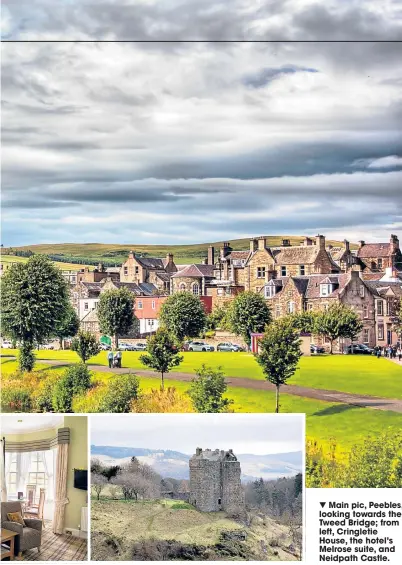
(57,548)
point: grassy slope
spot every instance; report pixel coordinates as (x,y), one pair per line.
(159,520)
(355,374)
(326,421)
(62,266)
(119,252)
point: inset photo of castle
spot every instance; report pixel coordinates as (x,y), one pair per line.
(207,487)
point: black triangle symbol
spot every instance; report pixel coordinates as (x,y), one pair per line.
(322,504)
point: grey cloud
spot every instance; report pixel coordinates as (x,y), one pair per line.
(265,76)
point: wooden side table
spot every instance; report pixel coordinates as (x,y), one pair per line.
(7,537)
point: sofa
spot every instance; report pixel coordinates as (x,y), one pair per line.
(30,536)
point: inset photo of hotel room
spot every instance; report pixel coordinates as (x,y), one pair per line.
(44,484)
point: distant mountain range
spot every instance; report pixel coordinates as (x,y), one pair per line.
(174,464)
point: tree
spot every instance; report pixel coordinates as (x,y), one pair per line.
(68,326)
(162,353)
(86,345)
(98,483)
(116,313)
(207,389)
(183,315)
(75,380)
(121,392)
(34,298)
(217,319)
(248,314)
(338,321)
(279,353)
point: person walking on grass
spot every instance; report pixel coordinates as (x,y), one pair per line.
(110,358)
(118,357)
(399,353)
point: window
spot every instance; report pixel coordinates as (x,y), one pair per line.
(388,307)
(139,305)
(283,271)
(325,289)
(260,272)
(361,290)
(126,271)
(153,304)
(379,263)
(366,335)
(380,308)
(182,286)
(277,311)
(309,306)
(381,331)
(291,307)
(269,291)
(137,270)
(95,305)
(86,306)
(302,270)
(12,475)
(73,279)
(365,311)
(37,475)
(196,289)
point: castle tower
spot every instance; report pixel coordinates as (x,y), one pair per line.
(215,481)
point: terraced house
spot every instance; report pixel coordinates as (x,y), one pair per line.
(149,270)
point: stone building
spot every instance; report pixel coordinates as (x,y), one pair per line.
(215,481)
(377,257)
(148,270)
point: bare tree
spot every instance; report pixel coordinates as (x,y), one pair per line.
(98,483)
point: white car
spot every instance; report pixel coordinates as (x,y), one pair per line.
(6,344)
(200,346)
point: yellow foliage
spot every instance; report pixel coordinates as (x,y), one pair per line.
(167,400)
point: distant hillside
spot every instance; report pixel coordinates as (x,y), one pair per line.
(175,464)
(116,253)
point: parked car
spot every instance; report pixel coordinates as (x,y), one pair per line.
(126,347)
(139,347)
(317,348)
(6,344)
(105,347)
(200,346)
(228,346)
(46,345)
(360,348)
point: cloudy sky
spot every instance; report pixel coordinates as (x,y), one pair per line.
(258,434)
(194,142)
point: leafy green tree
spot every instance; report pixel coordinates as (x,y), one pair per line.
(207,389)
(218,317)
(279,353)
(338,321)
(68,326)
(75,380)
(162,353)
(305,321)
(183,314)
(248,313)
(34,298)
(86,345)
(116,313)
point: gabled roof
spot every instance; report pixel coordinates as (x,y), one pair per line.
(91,285)
(243,255)
(151,262)
(374,250)
(196,271)
(295,255)
(92,316)
(163,276)
(141,289)
(382,288)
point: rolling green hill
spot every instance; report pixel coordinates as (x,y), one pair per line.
(116,253)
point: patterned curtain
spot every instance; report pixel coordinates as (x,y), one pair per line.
(3,472)
(60,488)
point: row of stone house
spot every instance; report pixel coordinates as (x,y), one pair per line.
(292,278)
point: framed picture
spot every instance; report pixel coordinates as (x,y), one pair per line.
(20,495)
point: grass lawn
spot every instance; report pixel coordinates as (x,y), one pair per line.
(357,374)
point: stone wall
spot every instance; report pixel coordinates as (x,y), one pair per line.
(232,493)
(205,485)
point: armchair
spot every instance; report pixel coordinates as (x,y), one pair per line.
(29,536)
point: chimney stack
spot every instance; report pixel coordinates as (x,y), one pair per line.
(169,258)
(198,451)
(347,244)
(361,243)
(225,249)
(320,241)
(394,242)
(262,243)
(211,255)
(253,245)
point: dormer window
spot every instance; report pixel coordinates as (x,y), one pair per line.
(283,271)
(269,291)
(260,272)
(325,289)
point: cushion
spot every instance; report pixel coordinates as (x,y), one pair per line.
(16,517)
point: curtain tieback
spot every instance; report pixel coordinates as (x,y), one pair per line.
(62,501)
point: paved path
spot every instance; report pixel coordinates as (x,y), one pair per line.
(374,402)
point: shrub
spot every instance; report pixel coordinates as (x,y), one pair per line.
(162,400)
(120,392)
(207,390)
(42,396)
(75,380)
(86,345)
(17,390)
(91,400)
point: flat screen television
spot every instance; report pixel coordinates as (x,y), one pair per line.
(81,479)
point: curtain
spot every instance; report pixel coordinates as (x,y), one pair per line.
(60,488)
(24,464)
(3,472)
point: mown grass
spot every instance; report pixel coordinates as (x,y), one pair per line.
(356,374)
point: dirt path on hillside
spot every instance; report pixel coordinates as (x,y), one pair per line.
(362,401)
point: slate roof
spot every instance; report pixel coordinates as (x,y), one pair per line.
(374,250)
(92,285)
(295,255)
(163,275)
(151,262)
(141,289)
(381,287)
(196,271)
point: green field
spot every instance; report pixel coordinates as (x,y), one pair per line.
(62,266)
(118,252)
(326,421)
(356,374)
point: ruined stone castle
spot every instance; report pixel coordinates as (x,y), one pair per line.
(215,481)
